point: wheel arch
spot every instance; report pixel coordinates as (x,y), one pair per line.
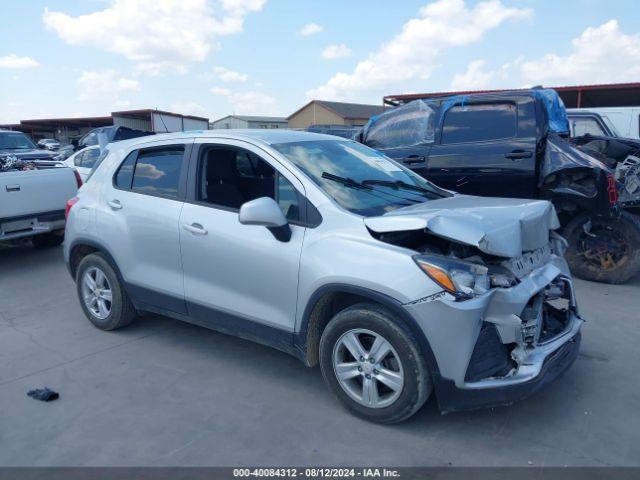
(330,299)
(81,247)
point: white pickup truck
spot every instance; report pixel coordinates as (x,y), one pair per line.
(32,204)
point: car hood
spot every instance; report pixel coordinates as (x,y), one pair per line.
(30,154)
(505,227)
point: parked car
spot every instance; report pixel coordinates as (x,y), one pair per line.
(20,146)
(32,201)
(66,150)
(112,134)
(620,121)
(515,144)
(49,144)
(84,161)
(328,250)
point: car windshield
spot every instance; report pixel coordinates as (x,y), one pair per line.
(15,141)
(358,178)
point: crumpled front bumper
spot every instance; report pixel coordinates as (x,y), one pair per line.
(453,330)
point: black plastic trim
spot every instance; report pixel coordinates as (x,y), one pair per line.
(42,217)
(453,399)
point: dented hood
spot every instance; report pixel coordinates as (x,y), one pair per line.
(505,227)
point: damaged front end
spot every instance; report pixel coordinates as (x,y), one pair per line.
(575,181)
(503,325)
(620,155)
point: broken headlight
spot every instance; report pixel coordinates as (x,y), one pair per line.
(462,279)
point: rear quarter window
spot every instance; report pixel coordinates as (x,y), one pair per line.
(157,171)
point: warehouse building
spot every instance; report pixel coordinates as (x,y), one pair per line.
(66,130)
(249,121)
(320,112)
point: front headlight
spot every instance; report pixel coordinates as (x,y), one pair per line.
(462,279)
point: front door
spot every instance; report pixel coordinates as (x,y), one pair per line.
(237,277)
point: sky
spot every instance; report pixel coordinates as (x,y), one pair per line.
(212,58)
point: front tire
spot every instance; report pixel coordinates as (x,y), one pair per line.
(609,253)
(373,365)
(102,296)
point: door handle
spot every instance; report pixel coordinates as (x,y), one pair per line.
(115,205)
(12,188)
(518,154)
(194,228)
(413,159)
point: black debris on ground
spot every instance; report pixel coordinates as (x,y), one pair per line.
(43,394)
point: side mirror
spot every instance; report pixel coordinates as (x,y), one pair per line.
(265,212)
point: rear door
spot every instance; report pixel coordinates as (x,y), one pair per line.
(138,218)
(487,147)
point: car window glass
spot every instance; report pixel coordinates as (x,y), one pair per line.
(583,126)
(90,157)
(480,122)
(157,171)
(288,199)
(230,177)
(77,161)
(125,172)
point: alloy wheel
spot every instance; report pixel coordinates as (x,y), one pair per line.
(368,368)
(96,293)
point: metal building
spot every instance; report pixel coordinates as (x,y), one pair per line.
(249,121)
(66,130)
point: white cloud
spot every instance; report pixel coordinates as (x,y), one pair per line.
(311,29)
(475,77)
(336,51)
(227,75)
(105,85)
(249,102)
(414,53)
(158,35)
(600,54)
(188,108)
(15,62)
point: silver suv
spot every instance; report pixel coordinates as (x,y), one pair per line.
(328,250)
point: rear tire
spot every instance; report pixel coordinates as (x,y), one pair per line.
(612,255)
(47,240)
(388,389)
(101,294)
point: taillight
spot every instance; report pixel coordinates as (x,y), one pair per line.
(70,203)
(78,178)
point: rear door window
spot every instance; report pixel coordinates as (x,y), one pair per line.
(479,123)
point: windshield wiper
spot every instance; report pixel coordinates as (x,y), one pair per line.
(399,184)
(348,182)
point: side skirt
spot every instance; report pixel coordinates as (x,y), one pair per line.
(150,301)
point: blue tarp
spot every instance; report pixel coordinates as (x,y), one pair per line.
(557,114)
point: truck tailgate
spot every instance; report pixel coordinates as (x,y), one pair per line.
(31,192)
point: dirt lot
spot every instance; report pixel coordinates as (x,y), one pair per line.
(163,392)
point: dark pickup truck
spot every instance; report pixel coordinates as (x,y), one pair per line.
(515,144)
